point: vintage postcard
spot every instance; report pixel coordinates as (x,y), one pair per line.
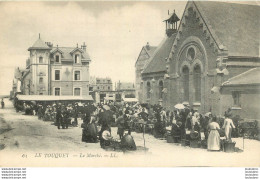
(130,84)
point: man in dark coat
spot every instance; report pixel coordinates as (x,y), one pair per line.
(66,118)
(143,115)
(76,115)
(58,117)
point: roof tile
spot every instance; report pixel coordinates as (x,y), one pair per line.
(157,60)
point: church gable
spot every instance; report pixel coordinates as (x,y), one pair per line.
(143,55)
(192,14)
(194,44)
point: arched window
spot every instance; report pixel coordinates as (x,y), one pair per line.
(197,82)
(160,89)
(185,72)
(40,60)
(148,90)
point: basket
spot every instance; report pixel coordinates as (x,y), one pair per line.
(170,139)
(195,144)
(229,147)
(185,142)
(204,144)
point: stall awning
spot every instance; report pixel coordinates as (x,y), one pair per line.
(130,99)
(53,98)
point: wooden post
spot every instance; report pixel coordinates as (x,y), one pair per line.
(143,135)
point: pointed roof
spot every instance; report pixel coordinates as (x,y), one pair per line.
(173,18)
(39,44)
(56,50)
(157,61)
(149,50)
(76,49)
(67,55)
(237,26)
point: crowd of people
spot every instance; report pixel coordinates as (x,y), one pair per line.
(97,119)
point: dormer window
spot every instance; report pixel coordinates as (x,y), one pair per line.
(57,58)
(40,60)
(76,58)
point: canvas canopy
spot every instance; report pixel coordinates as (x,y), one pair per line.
(53,98)
(130,99)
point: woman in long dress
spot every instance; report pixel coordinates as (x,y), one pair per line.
(228,125)
(214,138)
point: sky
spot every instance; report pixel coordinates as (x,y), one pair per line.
(114,33)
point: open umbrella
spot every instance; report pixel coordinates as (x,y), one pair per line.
(106,107)
(80,104)
(33,102)
(208,114)
(179,106)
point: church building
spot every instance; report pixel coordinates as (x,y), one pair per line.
(213,43)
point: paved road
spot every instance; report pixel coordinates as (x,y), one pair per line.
(22,137)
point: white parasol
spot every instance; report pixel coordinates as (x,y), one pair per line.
(106,107)
(179,106)
(208,114)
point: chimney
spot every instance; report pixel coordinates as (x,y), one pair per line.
(49,44)
(147,46)
(27,62)
(84,46)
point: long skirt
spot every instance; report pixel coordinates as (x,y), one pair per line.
(213,140)
(228,131)
(90,133)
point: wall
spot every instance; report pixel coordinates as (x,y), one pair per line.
(154,80)
(250,108)
(39,70)
(139,66)
(67,82)
(192,35)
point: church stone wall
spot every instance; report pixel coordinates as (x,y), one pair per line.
(192,35)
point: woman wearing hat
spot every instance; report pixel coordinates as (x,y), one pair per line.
(214,138)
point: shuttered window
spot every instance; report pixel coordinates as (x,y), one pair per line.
(76,91)
(57,74)
(57,91)
(77,75)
